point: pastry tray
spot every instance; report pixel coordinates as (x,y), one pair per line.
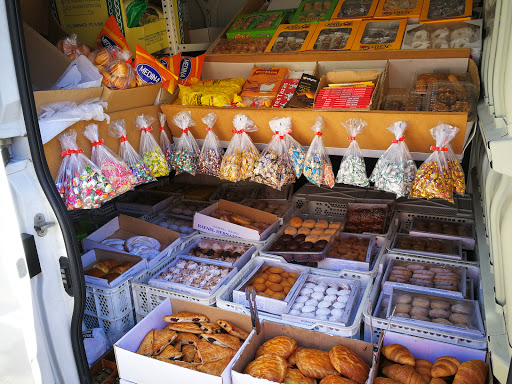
(225,190)
(454,247)
(347,311)
(282,218)
(387,220)
(193,206)
(338,264)
(159,218)
(468,242)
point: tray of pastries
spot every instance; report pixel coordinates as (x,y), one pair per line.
(351,251)
(183,226)
(368,218)
(443,229)
(447,96)
(280,208)
(355,8)
(427,246)
(423,80)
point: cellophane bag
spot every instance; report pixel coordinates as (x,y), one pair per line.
(129,155)
(113,168)
(241,155)
(274,167)
(186,150)
(165,143)
(151,153)
(433,179)
(102,58)
(395,171)
(119,74)
(296,152)
(352,168)
(72,48)
(211,154)
(79,181)
(459,182)
(317,164)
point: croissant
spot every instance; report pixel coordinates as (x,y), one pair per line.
(383,380)
(437,380)
(399,354)
(404,374)
(445,366)
(472,372)
(423,368)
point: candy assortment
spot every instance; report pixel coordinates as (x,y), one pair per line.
(218,250)
(380,32)
(332,39)
(311,11)
(211,154)
(149,149)
(352,168)
(317,165)
(442,9)
(186,151)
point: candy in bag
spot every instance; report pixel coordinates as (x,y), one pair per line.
(113,168)
(317,165)
(433,179)
(241,154)
(151,153)
(352,168)
(395,169)
(211,154)
(165,143)
(119,74)
(186,150)
(129,155)
(79,181)
(274,167)
(296,152)
(459,183)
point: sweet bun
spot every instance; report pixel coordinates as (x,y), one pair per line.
(296,222)
(349,364)
(304,231)
(322,224)
(335,225)
(290,230)
(102,57)
(460,319)
(309,223)
(312,238)
(317,231)
(120,69)
(95,272)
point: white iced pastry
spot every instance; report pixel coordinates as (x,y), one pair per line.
(421,45)
(338,305)
(323,312)
(297,306)
(317,296)
(331,291)
(295,312)
(309,285)
(330,298)
(422,36)
(324,304)
(337,312)
(320,288)
(440,43)
(306,291)
(308,314)
(441,33)
(462,33)
(460,42)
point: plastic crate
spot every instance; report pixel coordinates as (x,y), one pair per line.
(108,303)
(114,329)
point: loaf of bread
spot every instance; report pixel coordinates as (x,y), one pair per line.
(423,368)
(399,354)
(404,374)
(349,364)
(445,366)
(472,372)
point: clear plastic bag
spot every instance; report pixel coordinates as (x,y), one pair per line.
(101,58)
(211,154)
(119,74)
(459,182)
(151,153)
(129,155)
(317,165)
(296,152)
(113,168)
(241,155)
(395,170)
(79,181)
(352,168)
(72,48)
(186,151)
(274,167)
(433,179)
(165,143)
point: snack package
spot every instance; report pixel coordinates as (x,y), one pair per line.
(262,86)
(165,143)
(79,181)
(190,69)
(129,155)
(433,179)
(186,151)
(216,93)
(119,74)
(149,71)
(172,63)
(211,154)
(352,168)
(459,183)
(296,151)
(395,170)
(113,168)
(274,167)
(317,165)
(72,48)
(111,37)
(149,149)
(241,154)
(101,58)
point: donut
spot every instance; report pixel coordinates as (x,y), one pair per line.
(397,279)
(351,254)
(421,283)
(330,231)
(426,272)
(404,299)
(438,304)
(335,225)
(421,302)
(403,308)
(459,318)
(419,311)
(322,224)
(439,270)
(312,238)
(421,276)
(304,231)
(415,267)
(435,313)
(317,231)
(290,230)
(309,223)
(420,317)
(324,237)
(400,314)
(462,308)
(441,320)
(296,222)
(277,270)
(402,272)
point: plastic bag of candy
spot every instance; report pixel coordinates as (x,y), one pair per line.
(274,167)
(433,179)
(352,168)
(317,165)
(241,154)
(119,74)
(459,183)
(79,181)
(211,154)
(296,152)
(113,168)
(395,170)
(165,143)
(129,155)
(186,150)
(72,48)
(151,153)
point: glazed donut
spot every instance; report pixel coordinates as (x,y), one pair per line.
(323,224)
(304,231)
(402,272)
(330,231)
(296,222)
(404,299)
(421,283)
(317,231)
(290,230)
(335,225)
(421,302)
(441,320)
(415,267)
(324,237)
(312,238)
(419,311)
(309,223)
(462,308)
(397,279)
(435,313)
(459,318)
(438,304)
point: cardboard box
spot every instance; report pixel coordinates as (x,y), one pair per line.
(259,24)
(306,13)
(145,370)
(89,258)
(124,227)
(123,99)
(291,38)
(442,14)
(383,12)
(363,41)
(204,35)
(305,338)
(332,30)
(205,223)
(344,11)
(143,202)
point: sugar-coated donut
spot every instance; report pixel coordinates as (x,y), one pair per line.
(419,311)
(459,318)
(421,302)
(404,299)
(403,308)
(322,224)
(290,230)
(441,320)
(462,308)
(296,221)
(309,223)
(438,304)
(435,313)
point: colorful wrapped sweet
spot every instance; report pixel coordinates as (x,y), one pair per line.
(459,183)
(352,168)
(151,153)
(317,165)
(186,151)
(211,154)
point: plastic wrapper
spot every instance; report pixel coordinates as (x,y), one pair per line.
(111,36)
(312,11)
(296,151)
(274,167)
(186,151)
(101,58)
(113,168)
(211,154)
(355,8)
(458,96)
(443,9)
(129,155)
(443,35)
(317,165)
(72,48)
(332,39)
(151,153)
(165,143)
(79,181)
(148,70)
(433,179)
(289,41)
(395,170)
(403,102)
(119,74)
(241,155)
(423,80)
(190,69)
(459,183)
(352,168)
(380,32)
(216,93)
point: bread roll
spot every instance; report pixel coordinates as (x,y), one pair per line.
(349,363)
(334,379)
(399,354)
(472,372)
(383,380)
(445,366)
(404,374)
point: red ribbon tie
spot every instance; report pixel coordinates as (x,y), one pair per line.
(99,142)
(319,133)
(350,138)
(123,138)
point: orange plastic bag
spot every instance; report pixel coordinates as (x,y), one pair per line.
(190,70)
(111,36)
(172,64)
(149,70)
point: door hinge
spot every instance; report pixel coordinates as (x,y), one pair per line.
(41,225)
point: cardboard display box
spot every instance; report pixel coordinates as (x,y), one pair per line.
(307,13)
(326,33)
(291,38)
(446,14)
(361,42)
(258,24)
(383,12)
(338,12)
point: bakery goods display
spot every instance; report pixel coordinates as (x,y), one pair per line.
(271,282)
(446,96)
(441,9)
(403,102)
(455,34)
(442,227)
(278,208)
(143,246)
(183,226)
(368,218)
(233,218)
(108,269)
(354,9)
(351,247)
(445,248)
(214,249)
(423,80)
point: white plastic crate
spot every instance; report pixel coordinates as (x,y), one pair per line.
(114,329)
(108,303)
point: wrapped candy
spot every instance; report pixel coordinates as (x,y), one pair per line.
(129,155)
(151,153)
(79,181)
(113,168)
(296,152)
(395,170)
(72,48)
(317,165)
(274,167)
(241,154)
(186,151)
(352,168)
(433,179)
(459,183)
(119,74)
(211,154)
(165,143)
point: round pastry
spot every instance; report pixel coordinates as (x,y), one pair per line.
(295,312)
(324,304)
(308,308)
(297,305)
(296,222)
(274,278)
(337,312)
(317,231)
(459,318)
(421,302)
(269,369)
(292,245)
(311,302)
(397,279)
(415,267)
(404,315)
(331,291)
(276,287)
(419,311)
(421,283)
(442,320)
(438,304)
(404,299)
(304,231)
(323,312)
(329,231)
(439,270)
(309,223)
(462,308)
(401,272)
(141,241)
(306,246)
(312,238)
(317,296)
(435,313)
(320,288)
(337,304)
(285,238)
(301,299)
(421,35)
(309,285)
(420,317)
(441,33)
(422,276)
(403,308)
(322,224)
(290,230)
(335,225)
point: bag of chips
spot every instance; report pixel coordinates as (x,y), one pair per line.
(148,70)
(186,150)
(352,168)
(241,154)
(211,154)
(119,74)
(165,143)
(459,183)
(110,36)
(216,93)
(152,154)
(317,164)
(72,48)
(190,69)
(129,155)
(172,63)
